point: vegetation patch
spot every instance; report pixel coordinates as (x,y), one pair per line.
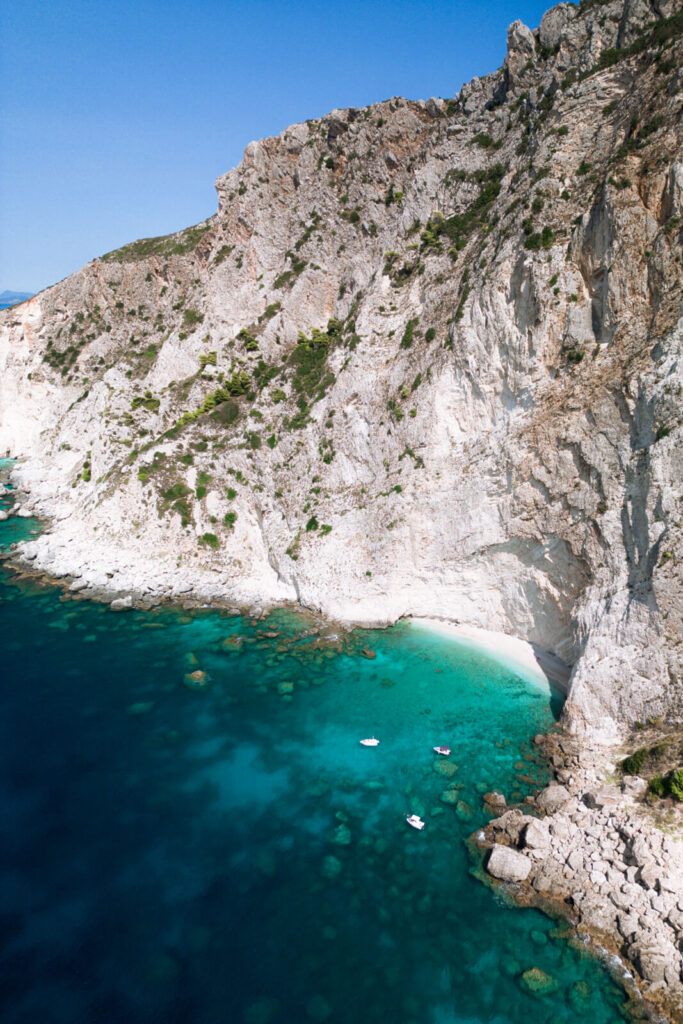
(459,227)
(407,339)
(178,244)
(238,384)
(311,377)
(209,540)
(146,401)
(248,340)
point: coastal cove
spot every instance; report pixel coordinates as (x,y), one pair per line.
(220,847)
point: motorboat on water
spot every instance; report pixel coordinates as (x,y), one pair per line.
(444,751)
(415,821)
(371,742)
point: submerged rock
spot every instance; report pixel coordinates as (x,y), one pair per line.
(331,867)
(232,643)
(463,810)
(342,835)
(494,800)
(451,796)
(579,996)
(537,981)
(142,707)
(196,680)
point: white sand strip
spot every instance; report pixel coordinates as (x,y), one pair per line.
(530,658)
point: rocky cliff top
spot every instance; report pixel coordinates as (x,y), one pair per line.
(425,358)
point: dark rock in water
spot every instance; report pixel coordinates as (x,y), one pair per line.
(143,707)
(451,796)
(342,835)
(579,996)
(197,680)
(463,810)
(232,643)
(331,867)
(495,800)
(367,653)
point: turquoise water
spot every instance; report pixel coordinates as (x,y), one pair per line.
(222,849)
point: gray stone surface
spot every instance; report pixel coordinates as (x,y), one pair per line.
(507,864)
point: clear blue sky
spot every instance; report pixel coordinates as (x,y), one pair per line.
(116,116)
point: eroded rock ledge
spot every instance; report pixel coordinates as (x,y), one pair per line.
(588,849)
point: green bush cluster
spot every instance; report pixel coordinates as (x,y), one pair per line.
(222,253)
(210,540)
(484,140)
(540,240)
(248,340)
(207,359)
(237,385)
(146,401)
(634,763)
(311,377)
(407,339)
(459,227)
(163,245)
(668,785)
(192,317)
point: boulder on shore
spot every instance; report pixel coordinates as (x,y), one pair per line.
(507,864)
(536,835)
(552,798)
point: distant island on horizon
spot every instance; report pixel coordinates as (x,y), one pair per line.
(10,298)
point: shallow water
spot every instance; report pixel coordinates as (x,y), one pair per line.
(231,853)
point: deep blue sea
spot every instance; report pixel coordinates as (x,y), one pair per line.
(222,850)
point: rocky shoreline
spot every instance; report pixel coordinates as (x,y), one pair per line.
(586,849)
(583,848)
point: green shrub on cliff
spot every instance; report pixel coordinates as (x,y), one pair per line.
(675,781)
(633,764)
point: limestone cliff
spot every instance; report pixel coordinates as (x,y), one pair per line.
(425,358)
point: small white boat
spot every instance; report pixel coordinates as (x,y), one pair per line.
(415,821)
(444,751)
(372,742)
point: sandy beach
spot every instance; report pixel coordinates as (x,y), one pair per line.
(529,658)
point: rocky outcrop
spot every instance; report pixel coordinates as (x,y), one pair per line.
(507,864)
(593,855)
(425,358)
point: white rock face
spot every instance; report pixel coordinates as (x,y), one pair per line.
(507,864)
(512,460)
